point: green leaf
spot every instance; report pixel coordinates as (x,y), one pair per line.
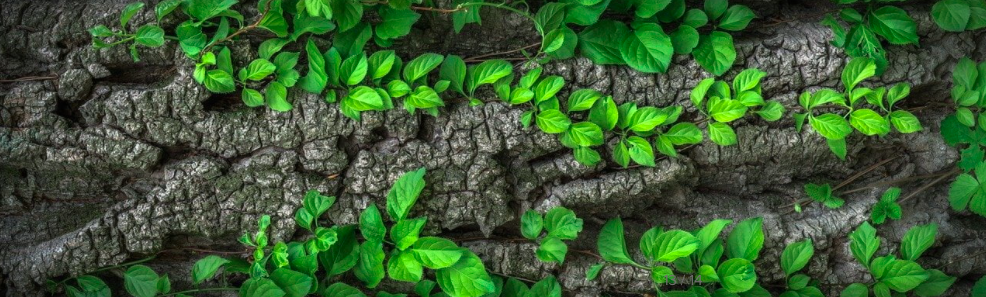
(406,232)
(263,287)
(869,122)
(308,24)
(467,278)
(165,8)
(715,8)
(421,66)
(218,81)
(611,243)
(683,134)
(347,13)
(893,24)
(548,87)
(726,110)
(128,12)
(547,287)
(648,49)
(273,20)
(601,42)
(584,13)
(549,17)
(737,274)
(553,41)
(404,193)
(467,16)
(936,284)
(403,266)
(917,240)
(252,98)
(396,22)
(641,151)
(903,276)
(772,111)
(746,240)
(898,92)
(562,223)
(647,9)
(206,268)
(531,224)
(736,18)
(965,73)
(149,35)
(436,252)
(796,256)
(371,224)
(587,156)
(798,281)
(646,119)
(140,280)
(424,97)
(583,99)
(343,254)
(487,72)
(684,39)
(341,290)
(454,70)
(604,113)
(354,69)
(315,81)
(830,126)
(864,243)
(257,70)
(363,98)
(553,121)
(749,79)
(593,271)
(855,290)
(380,64)
(552,249)
(351,42)
(294,284)
(586,134)
(277,97)
(695,18)
(722,134)
(698,93)
(856,71)
(369,269)
(675,244)
(715,52)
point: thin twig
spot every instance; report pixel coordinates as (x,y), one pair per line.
(929,184)
(241,30)
(849,180)
(893,182)
(501,53)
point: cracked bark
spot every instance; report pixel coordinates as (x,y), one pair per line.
(116,160)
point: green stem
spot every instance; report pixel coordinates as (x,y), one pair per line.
(500,6)
(186,292)
(123,264)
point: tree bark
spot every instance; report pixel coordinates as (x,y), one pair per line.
(104,160)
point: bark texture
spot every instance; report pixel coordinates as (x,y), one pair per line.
(113,160)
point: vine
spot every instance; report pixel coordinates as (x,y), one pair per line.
(583,121)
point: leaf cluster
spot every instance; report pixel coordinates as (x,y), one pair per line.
(668,253)
(649,42)
(959,15)
(723,103)
(835,127)
(893,274)
(967,127)
(551,231)
(868,29)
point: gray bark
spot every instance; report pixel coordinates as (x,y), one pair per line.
(114,160)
